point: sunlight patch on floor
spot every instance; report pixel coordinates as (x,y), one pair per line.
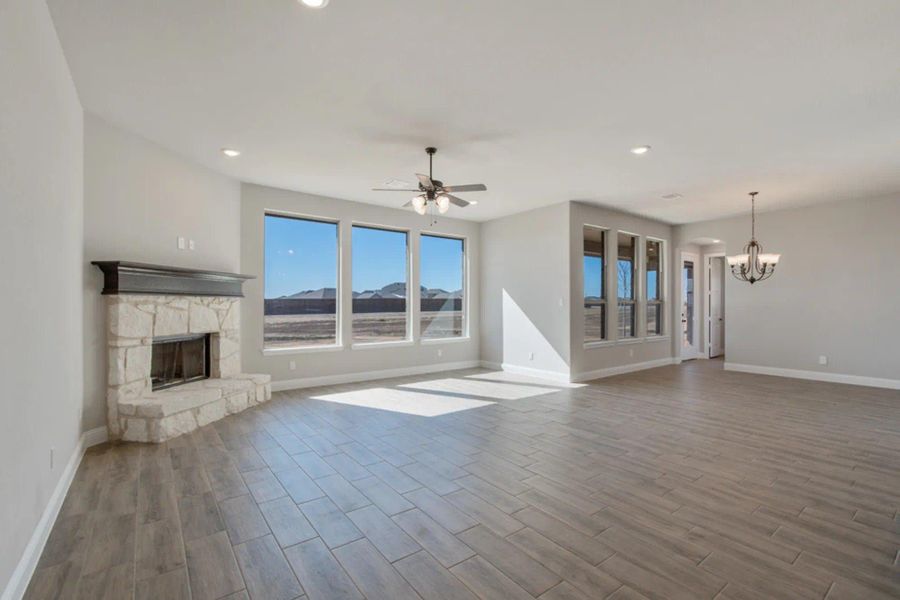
(507,377)
(410,402)
(480,388)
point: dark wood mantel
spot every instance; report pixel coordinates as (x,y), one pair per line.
(121,277)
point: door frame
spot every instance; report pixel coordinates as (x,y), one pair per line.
(706,304)
(698,353)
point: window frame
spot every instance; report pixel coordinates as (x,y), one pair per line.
(636,287)
(408,337)
(464,335)
(660,287)
(604,296)
(338,309)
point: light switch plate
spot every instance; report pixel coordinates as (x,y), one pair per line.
(181,243)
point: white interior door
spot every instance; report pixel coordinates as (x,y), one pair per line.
(690,330)
(716,305)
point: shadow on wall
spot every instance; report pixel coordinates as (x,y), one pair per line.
(523,344)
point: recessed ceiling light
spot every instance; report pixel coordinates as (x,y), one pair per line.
(315,3)
(473,202)
(640,150)
(672,196)
(717,241)
(231,152)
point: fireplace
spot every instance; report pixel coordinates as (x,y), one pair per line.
(177,360)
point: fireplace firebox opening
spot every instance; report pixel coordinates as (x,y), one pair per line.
(177,360)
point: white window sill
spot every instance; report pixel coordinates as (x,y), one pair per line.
(656,338)
(603,344)
(377,345)
(447,340)
(625,342)
(302,350)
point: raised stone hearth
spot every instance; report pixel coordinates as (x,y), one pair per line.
(138,413)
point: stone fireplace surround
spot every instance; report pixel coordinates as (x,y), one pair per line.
(137,413)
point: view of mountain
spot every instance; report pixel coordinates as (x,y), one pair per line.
(391,290)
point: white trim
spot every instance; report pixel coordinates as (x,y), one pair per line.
(444,340)
(707,321)
(629,340)
(93,437)
(378,345)
(599,344)
(657,338)
(21,576)
(295,384)
(301,350)
(879,382)
(486,364)
(630,368)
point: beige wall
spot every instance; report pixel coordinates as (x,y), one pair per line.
(138,199)
(525,291)
(596,359)
(41,244)
(833,293)
(256,200)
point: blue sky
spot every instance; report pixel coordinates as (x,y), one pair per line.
(302,255)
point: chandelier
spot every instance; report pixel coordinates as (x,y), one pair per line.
(753,265)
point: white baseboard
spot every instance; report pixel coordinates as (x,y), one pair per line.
(891,384)
(95,436)
(21,576)
(306,382)
(610,371)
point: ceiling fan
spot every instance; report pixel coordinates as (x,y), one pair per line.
(434,193)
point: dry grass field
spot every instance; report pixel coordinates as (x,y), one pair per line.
(286,331)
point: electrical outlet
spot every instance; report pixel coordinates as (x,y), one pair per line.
(531,356)
(293,365)
(191,244)
(180,243)
(823,360)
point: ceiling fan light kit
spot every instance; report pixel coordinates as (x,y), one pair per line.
(433,194)
(753,265)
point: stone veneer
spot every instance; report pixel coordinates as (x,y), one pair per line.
(135,411)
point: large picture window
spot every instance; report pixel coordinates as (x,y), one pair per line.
(625,272)
(655,310)
(442,279)
(594,270)
(301,275)
(380,273)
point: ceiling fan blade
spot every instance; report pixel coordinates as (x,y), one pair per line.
(426,182)
(472,187)
(458,201)
(393,190)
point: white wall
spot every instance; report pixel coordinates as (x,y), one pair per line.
(256,200)
(834,292)
(138,199)
(41,245)
(525,290)
(599,359)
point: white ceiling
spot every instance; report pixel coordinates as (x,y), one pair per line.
(539,100)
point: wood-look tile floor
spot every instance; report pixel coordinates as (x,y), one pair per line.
(679,482)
